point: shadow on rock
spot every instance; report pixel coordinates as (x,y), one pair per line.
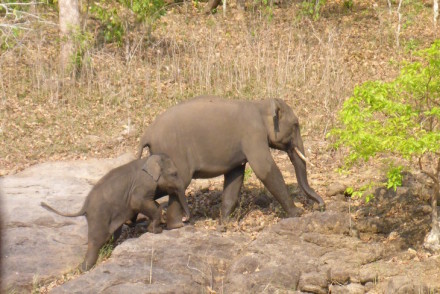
(402,216)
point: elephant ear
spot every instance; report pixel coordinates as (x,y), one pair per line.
(275,111)
(153,167)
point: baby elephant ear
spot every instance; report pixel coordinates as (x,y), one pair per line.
(153,167)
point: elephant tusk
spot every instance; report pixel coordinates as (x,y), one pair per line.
(302,156)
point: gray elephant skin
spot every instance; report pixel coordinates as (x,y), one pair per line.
(212,136)
(123,193)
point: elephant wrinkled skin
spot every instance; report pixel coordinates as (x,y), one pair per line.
(209,136)
(123,193)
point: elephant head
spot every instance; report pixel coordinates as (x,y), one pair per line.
(162,169)
(284,134)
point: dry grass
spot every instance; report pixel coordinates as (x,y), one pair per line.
(314,65)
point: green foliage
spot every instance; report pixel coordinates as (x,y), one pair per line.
(311,8)
(145,9)
(13,16)
(9,41)
(364,190)
(411,45)
(106,250)
(395,177)
(247,174)
(112,29)
(267,6)
(114,17)
(348,4)
(400,117)
(83,42)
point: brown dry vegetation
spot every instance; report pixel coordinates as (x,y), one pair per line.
(314,65)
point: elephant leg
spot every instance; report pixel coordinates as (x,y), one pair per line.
(174,213)
(117,234)
(133,221)
(154,213)
(97,237)
(267,171)
(162,220)
(231,190)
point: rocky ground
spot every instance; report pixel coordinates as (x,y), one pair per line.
(350,248)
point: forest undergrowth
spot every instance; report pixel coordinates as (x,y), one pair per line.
(312,63)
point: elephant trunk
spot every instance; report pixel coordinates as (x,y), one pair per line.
(184,203)
(299,162)
(144,142)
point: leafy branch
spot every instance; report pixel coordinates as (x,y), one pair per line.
(400,118)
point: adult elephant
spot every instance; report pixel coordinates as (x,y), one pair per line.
(210,136)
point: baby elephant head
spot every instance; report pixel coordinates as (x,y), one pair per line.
(162,169)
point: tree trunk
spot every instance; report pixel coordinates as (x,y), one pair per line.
(69,26)
(435,8)
(432,240)
(212,4)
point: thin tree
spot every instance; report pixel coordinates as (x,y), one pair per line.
(400,118)
(435,8)
(69,19)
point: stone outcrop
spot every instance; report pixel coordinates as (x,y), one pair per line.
(315,253)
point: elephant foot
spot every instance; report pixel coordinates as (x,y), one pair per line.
(154,228)
(295,212)
(224,223)
(174,225)
(84,267)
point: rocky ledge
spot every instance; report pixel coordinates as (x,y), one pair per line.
(315,253)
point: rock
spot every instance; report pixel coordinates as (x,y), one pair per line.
(347,289)
(177,261)
(339,276)
(401,191)
(368,275)
(313,253)
(412,252)
(38,243)
(201,184)
(393,236)
(432,240)
(313,283)
(406,285)
(328,222)
(369,286)
(335,189)
(424,209)
(204,185)
(338,205)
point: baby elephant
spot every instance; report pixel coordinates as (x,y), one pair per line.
(123,193)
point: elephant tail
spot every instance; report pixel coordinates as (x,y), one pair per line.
(144,142)
(79,213)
